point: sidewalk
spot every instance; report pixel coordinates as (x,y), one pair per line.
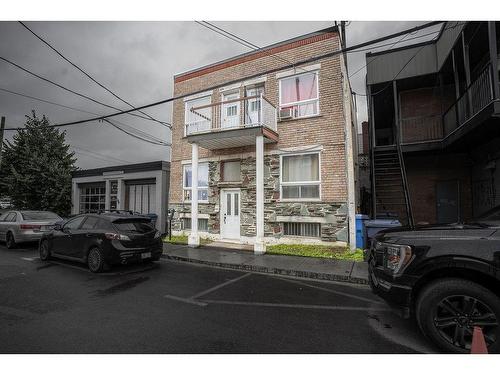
(313,268)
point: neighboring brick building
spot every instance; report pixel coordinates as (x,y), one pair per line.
(243,132)
(434,125)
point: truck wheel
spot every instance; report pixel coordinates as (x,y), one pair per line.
(95,260)
(10,241)
(447,311)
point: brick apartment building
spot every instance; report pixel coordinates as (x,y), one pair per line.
(270,144)
(434,126)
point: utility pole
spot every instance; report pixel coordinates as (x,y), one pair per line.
(2,127)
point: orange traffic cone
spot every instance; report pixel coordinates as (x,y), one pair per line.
(478,344)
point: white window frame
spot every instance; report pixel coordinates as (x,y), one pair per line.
(291,104)
(186,110)
(184,188)
(295,183)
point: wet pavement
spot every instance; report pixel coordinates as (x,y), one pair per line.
(177,307)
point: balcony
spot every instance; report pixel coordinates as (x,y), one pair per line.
(231,123)
(472,114)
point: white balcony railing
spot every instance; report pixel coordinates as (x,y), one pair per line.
(245,112)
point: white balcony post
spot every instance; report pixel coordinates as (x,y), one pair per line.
(194,239)
(259,246)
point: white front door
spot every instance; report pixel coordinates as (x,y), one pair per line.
(230,214)
(230,111)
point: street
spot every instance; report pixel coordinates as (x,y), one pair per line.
(171,307)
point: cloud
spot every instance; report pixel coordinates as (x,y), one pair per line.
(137,60)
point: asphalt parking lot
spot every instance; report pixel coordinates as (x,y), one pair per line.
(171,307)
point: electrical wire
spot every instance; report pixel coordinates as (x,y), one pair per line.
(97,154)
(403,68)
(270,71)
(67,89)
(144,134)
(89,76)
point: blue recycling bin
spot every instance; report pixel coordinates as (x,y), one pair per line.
(361,231)
(376,225)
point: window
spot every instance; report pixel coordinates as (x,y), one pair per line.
(302,229)
(135,226)
(10,217)
(202,224)
(92,199)
(90,222)
(231,171)
(39,215)
(197,119)
(300,94)
(300,177)
(202,182)
(74,223)
(141,198)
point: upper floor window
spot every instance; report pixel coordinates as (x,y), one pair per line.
(197,119)
(299,95)
(202,182)
(300,177)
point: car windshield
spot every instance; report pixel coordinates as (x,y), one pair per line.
(137,226)
(39,215)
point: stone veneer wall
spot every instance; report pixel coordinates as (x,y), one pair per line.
(331,215)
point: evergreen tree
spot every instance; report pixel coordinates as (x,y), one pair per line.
(36,168)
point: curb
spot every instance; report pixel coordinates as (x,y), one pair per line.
(275,271)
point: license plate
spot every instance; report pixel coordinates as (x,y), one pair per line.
(145,255)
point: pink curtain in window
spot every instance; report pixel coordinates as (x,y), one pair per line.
(299,88)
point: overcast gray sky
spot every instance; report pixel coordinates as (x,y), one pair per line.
(137,60)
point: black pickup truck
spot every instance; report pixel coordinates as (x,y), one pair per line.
(447,277)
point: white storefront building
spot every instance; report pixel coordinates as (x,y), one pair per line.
(141,188)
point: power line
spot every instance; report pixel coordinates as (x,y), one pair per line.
(97,154)
(67,89)
(89,76)
(270,71)
(144,134)
(160,143)
(404,66)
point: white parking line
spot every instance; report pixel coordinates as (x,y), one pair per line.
(220,286)
(370,300)
(186,300)
(297,306)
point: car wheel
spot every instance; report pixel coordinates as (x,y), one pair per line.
(155,258)
(44,250)
(448,310)
(10,242)
(95,260)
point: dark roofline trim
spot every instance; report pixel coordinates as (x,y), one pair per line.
(127,168)
(409,46)
(251,55)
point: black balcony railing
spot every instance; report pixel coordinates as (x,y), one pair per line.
(421,129)
(475,98)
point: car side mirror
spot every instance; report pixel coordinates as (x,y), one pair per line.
(58,227)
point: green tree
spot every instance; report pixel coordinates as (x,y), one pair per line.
(36,167)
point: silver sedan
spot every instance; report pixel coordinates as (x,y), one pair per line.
(25,226)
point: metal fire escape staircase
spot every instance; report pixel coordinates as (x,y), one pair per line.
(389,183)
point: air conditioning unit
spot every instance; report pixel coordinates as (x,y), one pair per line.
(286,113)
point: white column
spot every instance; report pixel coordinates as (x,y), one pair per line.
(259,246)
(107,197)
(194,239)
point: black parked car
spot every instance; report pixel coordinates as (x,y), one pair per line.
(446,276)
(101,240)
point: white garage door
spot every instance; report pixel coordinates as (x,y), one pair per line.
(142,198)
